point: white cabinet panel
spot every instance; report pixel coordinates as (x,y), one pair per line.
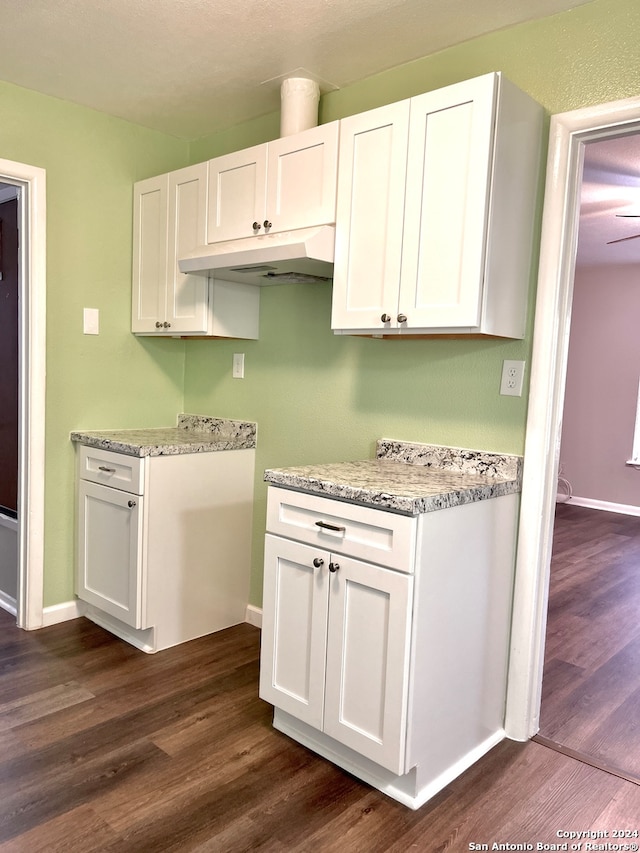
(448,185)
(110,552)
(369,217)
(237,190)
(301,183)
(187,295)
(150,225)
(283,185)
(294,628)
(367,679)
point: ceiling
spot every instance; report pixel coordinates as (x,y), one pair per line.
(192,67)
(610,186)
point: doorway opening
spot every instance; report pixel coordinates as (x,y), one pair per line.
(569,133)
(29,183)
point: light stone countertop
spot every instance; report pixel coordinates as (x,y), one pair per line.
(193,434)
(408,478)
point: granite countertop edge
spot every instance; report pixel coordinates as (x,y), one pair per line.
(408,478)
(193,434)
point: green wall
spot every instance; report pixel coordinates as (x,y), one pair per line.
(318,397)
(113,379)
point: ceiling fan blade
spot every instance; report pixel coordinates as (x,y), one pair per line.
(628,215)
(622,239)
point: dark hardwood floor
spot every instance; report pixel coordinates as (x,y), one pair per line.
(104,748)
(591,684)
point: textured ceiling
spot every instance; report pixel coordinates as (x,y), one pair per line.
(610,186)
(192,67)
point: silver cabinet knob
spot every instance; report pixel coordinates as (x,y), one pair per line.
(166,325)
(317,562)
(158,324)
(402,318)
(266,223)
(386,318)
(131,504)
(256,226)
(333,567)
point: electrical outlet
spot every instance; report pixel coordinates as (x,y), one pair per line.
(238,365)
(512,378)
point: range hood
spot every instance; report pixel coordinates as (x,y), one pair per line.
(303,255)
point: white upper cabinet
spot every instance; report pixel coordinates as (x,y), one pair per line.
(286,184)
(436,200)
(370,213)
(170,220)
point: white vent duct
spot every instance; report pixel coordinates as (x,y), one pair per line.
(299,97)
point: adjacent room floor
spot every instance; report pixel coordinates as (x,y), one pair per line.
(591,685)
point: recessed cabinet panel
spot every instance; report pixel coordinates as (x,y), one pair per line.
(368,661)
(149,251)
(301,183)
(187,306)
(237,189)
(447,195)
(110,552)
(294,628)
(369,216)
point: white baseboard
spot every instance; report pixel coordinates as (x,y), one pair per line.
(8,603)
(606,506)
(63,612)
(253,615)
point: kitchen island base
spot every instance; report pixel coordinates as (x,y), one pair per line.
(385,637)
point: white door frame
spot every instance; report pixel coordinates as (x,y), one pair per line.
(568,134)
(32,365)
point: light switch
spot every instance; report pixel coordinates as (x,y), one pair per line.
(91,321)
(238,365)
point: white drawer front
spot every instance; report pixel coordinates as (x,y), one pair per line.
(368,534)
(112,469)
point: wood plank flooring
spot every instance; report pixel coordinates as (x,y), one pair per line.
(104,748)
(591,684)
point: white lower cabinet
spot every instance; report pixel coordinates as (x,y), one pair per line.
(110,569)
(338,633)
(164,543)
(395,669)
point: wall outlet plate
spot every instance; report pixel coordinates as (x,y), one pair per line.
(512,378)
(238,365)
(91,321)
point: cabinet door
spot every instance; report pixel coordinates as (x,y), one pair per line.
(368,661)
(110,572)
(446,210)
(369,218)
(149,280)
(301,178)
(294,628)
(237,194)
(187,295)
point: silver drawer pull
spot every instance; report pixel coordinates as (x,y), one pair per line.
(327,526)
(106,470)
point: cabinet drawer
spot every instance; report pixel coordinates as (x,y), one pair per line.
(367,534)
(113,469)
